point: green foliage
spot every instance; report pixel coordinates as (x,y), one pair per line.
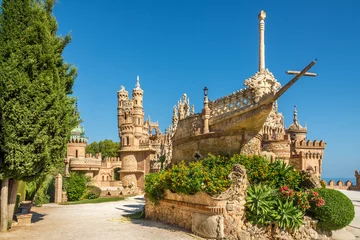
(286,215)
(107,148)
(275,174)
(35,109)
(281,174)
(260,204)
(22,190)
(92,192)
(264,205)
(211,175)
(41,190)
(75,186)
(323,184)
(337,212)
(155,185)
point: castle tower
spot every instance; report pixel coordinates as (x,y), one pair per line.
(135,151)
(138,111)
(76,144)
(296,131)
(305,154)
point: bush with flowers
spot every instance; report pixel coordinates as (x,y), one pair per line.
(278,185)
(285,207)
(336,212)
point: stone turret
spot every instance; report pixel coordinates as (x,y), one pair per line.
(138,111)
(296,131)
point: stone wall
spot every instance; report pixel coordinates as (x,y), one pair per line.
(223,216)
(340,185)
(210,217)
(201,145)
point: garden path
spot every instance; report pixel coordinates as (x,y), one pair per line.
(94,221)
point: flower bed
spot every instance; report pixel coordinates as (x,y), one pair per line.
(276,197)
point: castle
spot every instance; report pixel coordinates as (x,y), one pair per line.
(101,171)
(246,121)
(142,142)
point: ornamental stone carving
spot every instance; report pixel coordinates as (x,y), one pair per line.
(261,84)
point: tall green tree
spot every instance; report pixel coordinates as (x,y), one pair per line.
(36,111)
(107,148)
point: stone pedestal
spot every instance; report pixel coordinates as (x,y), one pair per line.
(24,219)
(58,188)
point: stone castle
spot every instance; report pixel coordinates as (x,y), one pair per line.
(142,143)
(246,121)
(101,170)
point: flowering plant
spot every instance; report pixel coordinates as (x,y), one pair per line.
(302,199)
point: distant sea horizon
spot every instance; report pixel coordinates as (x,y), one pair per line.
(336,179)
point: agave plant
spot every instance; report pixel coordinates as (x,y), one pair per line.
(287,215)
(260,203)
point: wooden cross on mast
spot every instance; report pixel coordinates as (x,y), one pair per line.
(308,74)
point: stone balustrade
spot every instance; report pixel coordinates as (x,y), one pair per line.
(85,162)
(237,100)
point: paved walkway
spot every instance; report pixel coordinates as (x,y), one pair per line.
(106,221)
(94,221)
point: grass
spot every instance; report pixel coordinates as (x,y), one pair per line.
(96,200)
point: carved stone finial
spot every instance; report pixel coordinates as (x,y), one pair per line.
(262,15)
(122,88)
(137,82)
(296,122)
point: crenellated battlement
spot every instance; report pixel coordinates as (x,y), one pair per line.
(78,140)
(348,185)
(112,159)
(310,144)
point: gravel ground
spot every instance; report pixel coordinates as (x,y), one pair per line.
(106,221)
(94,221)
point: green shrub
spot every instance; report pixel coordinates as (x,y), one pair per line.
(260,203)
(281,174)
(155,186)
(92,192)
(211,175)
(337,212)
(323,183)
(75,186)
(287,215)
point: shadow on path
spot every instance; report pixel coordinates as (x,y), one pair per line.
(36,217)
(131,208)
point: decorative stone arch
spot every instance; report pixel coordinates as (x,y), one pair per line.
(156,128)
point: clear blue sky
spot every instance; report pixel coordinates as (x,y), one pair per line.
(182,46)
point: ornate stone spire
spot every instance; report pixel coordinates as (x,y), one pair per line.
(137,82)
(261,17)
(296,122)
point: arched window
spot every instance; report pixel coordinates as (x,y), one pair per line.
(103,178)
(127,141)
(76,153)
(138,121)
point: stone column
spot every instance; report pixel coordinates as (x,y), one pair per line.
(206,113)
(58,188)
(261,17)
(251,143)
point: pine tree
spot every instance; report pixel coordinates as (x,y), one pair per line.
(36,111)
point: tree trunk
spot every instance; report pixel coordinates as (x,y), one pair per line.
(12,199)
(4,205)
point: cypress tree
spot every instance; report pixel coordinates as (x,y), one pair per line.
(36,111)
